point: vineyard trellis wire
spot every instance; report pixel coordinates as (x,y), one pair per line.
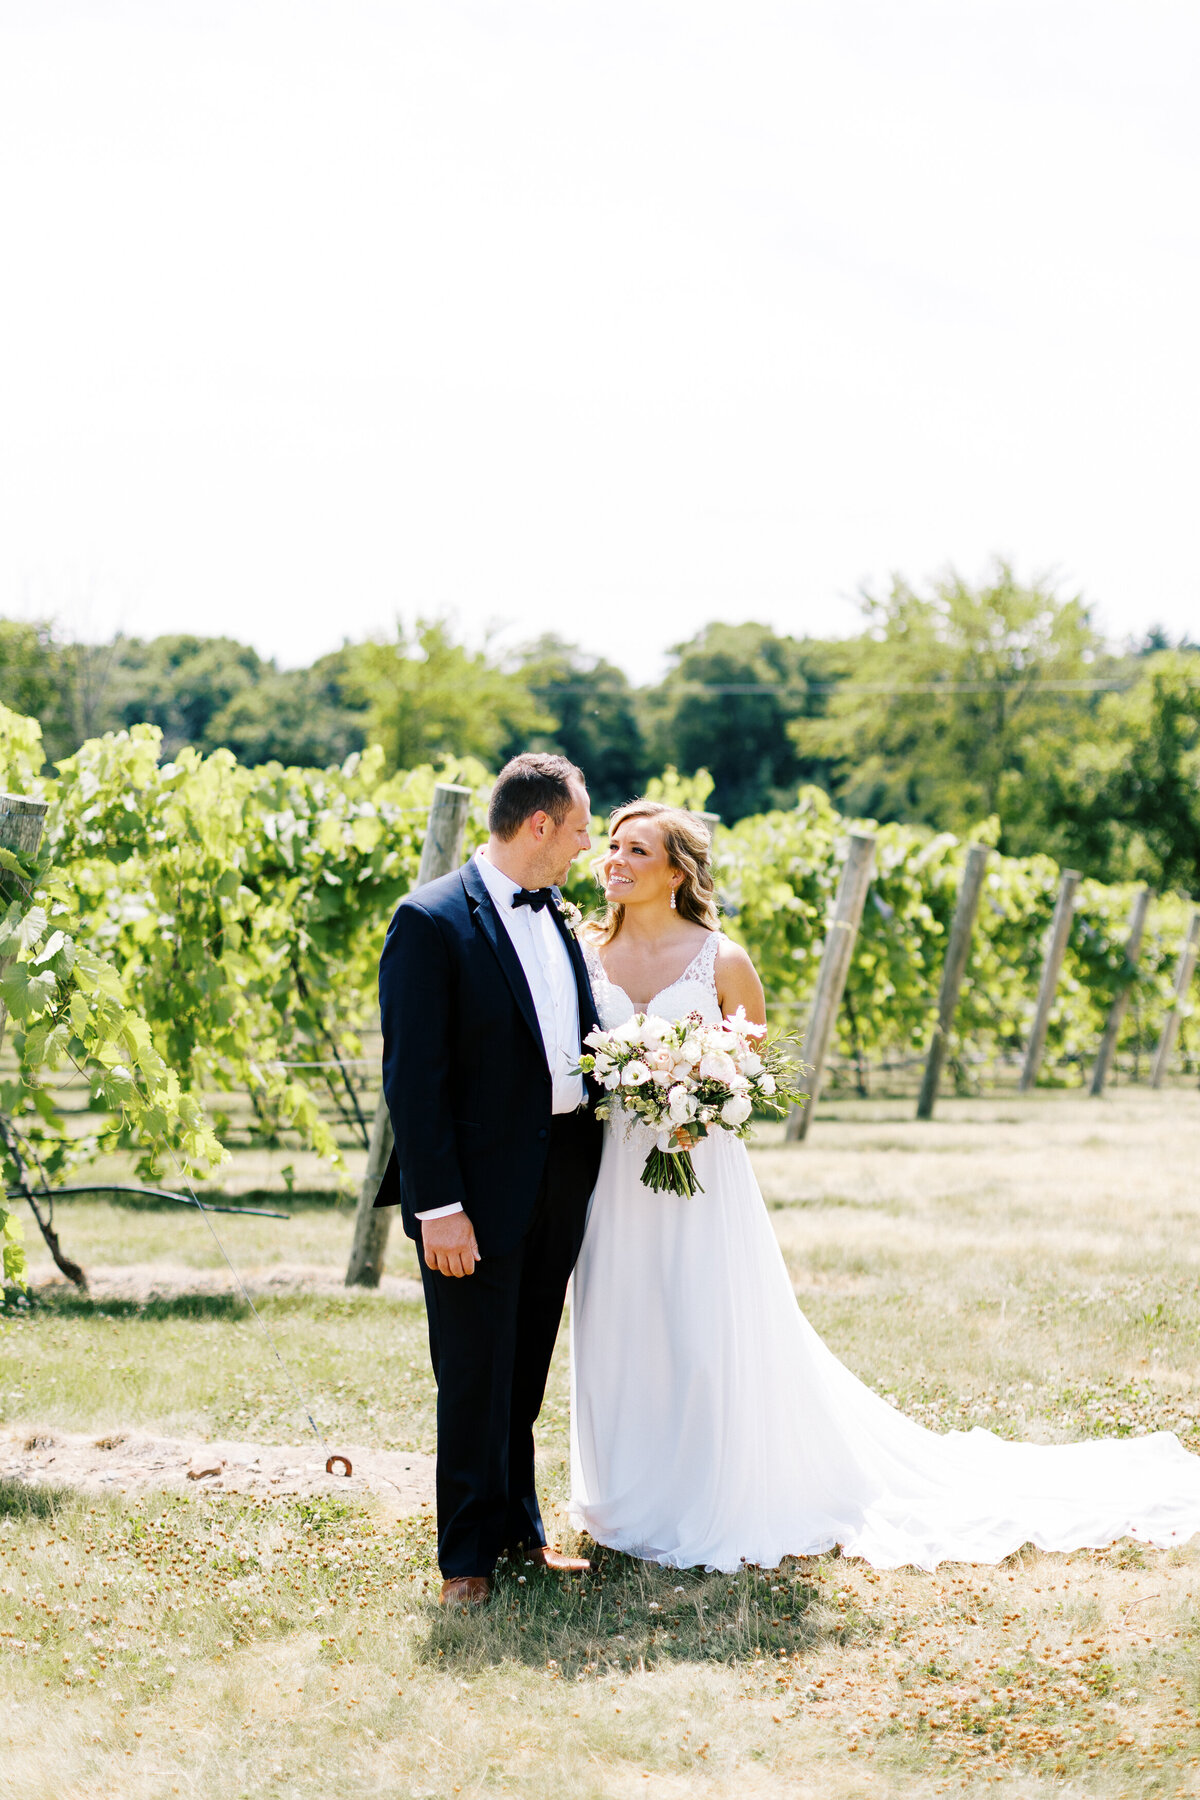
(231,919)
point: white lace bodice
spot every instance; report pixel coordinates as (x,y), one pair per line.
(695,991)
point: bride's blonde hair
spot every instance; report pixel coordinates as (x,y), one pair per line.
(688,844)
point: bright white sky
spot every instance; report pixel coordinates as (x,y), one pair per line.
(607,317)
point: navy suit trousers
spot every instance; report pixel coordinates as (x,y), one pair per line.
(491,1338)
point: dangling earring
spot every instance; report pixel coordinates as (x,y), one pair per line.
(673,906)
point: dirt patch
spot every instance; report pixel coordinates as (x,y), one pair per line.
(132,1462)
(144,1282)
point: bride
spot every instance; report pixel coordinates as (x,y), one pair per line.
(709,1423)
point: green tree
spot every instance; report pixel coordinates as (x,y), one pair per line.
(595,710)
(1125,801)
(298,717)
(1156,638)
(34,681)
(181,683)
(425,697)
(77,691)
(727,706)
(947,710)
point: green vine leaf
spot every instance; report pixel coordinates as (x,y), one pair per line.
(26,992)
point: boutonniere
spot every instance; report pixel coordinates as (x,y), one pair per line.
(569,913)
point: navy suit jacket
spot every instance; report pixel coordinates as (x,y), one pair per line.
(464,1071)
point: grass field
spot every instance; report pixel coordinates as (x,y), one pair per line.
(1030,1265)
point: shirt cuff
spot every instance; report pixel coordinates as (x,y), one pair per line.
(440,1212)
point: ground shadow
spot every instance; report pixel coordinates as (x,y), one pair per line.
(64,1302)
(299,1200)
(34,1499)
(628,1614)
(69,1303)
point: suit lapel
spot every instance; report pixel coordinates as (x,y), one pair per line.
(588,1016)
(587,1004)
(483,911)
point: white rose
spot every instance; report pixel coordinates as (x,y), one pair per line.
(654,1029)
(628,1033)
(716,1066)
(740,1023)
(661,1077)
(681,1103)
(691,1050)
(660,1059)
(634,1073)
(737,1110)
(767,1084)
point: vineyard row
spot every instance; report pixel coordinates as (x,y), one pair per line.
(198,925)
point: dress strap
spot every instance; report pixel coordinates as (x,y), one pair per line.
(704,966)
(591,960)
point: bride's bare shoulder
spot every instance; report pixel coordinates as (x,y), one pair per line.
(737,980)
(732,956)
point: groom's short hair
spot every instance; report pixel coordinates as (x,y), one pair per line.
(530,783)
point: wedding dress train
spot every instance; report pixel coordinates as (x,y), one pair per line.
(710,1426)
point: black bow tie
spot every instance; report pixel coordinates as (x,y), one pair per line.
(534,898)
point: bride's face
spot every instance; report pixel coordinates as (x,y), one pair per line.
(636,870)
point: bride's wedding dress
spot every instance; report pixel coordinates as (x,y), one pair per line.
(711,1426)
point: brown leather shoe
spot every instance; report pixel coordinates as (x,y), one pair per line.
(554,1559)
(466,1590)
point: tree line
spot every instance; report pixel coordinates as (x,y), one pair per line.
(953,704)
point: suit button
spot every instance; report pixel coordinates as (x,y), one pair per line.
(541,1134)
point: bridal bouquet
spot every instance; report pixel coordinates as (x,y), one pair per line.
(684,1078)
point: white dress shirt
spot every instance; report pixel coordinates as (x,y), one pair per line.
(546,964)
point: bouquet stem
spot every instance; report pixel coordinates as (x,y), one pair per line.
(671,1172)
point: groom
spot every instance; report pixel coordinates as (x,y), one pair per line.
(484,999)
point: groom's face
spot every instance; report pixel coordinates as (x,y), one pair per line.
(563,843)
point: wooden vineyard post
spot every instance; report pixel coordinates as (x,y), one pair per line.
(1056,949)
(1116,1012)
(442,852)
(21,823)
(953,970)
(1184,970)
(835,966)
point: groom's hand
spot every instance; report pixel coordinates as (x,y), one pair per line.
(449,1244)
